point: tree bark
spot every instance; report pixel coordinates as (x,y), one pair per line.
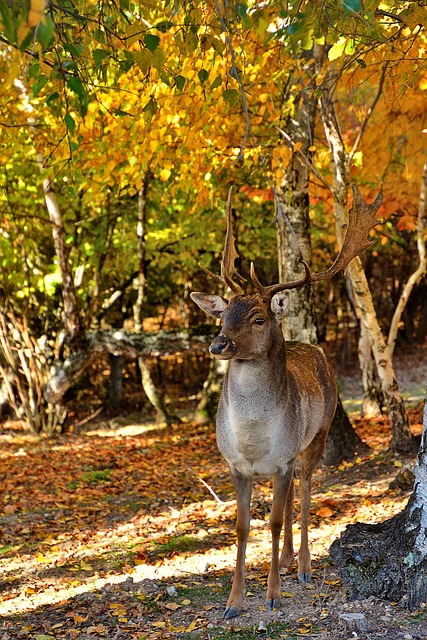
(293,208)
(72,320)
(117,342)
(389,560)
(294,245)
(419,272)
(146,379)
(402,439)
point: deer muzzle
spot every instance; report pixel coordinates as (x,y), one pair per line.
(222,347)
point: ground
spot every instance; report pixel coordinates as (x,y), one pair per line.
(122,530)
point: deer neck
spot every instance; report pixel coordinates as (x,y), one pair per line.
(263,376)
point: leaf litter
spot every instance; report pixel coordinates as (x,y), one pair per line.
(112,533)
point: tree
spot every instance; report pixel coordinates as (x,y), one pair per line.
(389,560)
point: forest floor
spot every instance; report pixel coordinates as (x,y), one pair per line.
(125,531)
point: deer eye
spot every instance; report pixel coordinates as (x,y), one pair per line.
(259,321)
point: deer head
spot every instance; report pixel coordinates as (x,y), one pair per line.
(257,317)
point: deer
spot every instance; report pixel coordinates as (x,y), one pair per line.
(278,398)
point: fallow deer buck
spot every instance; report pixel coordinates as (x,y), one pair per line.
(278,399)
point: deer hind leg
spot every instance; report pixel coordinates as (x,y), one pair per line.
(243,486)
(281,488)
(310,460)
(287,555)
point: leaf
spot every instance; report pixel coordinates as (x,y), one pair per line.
(180,82)
(76,85)
(353,6)
(191,626)
(151,41)
(172,606)
(99,55)
(324,512)
(203,75)
(337,49)
(69,121)
(216,83)
(143,59)
(230,96)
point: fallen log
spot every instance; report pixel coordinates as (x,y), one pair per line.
(116,342)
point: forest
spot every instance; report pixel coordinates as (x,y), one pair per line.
(147,148)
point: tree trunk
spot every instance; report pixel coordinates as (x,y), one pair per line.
(293,219)
(72,319)
(402,439)
(419,272)
(147,382)
(294,245)
(207,406)
(389,560)
(372,396)
(116,381)
(343,442)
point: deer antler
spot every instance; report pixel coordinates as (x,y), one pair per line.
(228,270)
(361,219)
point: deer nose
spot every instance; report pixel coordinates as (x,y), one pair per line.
(222,344)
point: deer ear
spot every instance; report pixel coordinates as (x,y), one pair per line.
(211,305)
(280,304)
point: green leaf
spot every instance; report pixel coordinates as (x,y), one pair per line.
(45,32)
(76,85)
(99,55)
(353,6)
(53,96)
(76,50)
(69,121)
(158,59)
(241,10)
(151,41)
(203,76)
(38,85)
(216,83)
(230,96)
(144,59)
(163,26)
(180,82)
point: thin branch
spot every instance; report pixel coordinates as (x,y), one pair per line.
(368,115)
(236,76)
(306,161)
(216,496)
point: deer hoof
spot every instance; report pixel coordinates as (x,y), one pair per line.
(231,612)
(273,603)
(304,578)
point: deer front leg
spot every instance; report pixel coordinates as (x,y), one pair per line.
(243,486)
(304,560)
(281,487)
(287,555)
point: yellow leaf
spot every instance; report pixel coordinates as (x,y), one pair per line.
(325,512)
(398,463)
(164,174)
(41,558)
(186,602)
(160,624)
(77,619)
(287,594)
(297,146)
(85,566)
(191,626)
(36,12)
